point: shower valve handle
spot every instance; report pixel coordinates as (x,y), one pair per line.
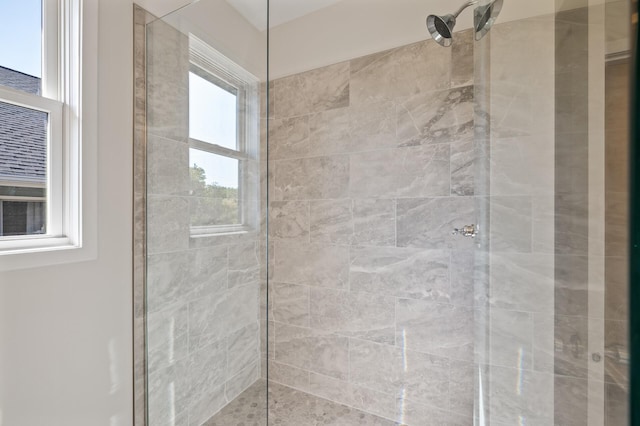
(466,231)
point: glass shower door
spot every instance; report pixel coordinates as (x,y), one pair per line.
(550,285)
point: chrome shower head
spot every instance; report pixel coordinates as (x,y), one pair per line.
(485,16)
(441,28)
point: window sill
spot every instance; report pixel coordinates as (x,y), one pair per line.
(41,251)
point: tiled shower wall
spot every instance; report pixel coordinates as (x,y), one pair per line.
(202,293)
(371,164)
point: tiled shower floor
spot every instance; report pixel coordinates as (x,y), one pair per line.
(289,407)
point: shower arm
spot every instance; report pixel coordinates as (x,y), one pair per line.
(464,6)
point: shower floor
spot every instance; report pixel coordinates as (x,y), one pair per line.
(289,407)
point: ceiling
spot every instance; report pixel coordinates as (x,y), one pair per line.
(281,11)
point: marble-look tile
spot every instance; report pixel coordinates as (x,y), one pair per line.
(617,288)
(520,165)
(400,372)
(317,351)
(330,132)
(571,398)
(429,222)
(543,222)
(167,337)
(440,117)
(207,405)
(462,382)
(168,392)
(167,225)
(464,271)
(462,67)
(522,282)
(314,265)
(435,328)
(357,128)
(241,381)
(167,167)
(416,68)
(288,375)
(617,405)
(413,413)
(167,280)
(207,371)
(616,346)
(289,220)
(617,223)
(368,400)
(244,264)
(289,138)
(511,224)
(167,81)
(212,318)
(520,396)
(511,338)
(291,304)
(572,285)
(207,270)
(572,224)
(311,178)
(419,171)
(463,167)
(374,222)
(544,342)
(400,272)
(312,91)
(331,221)
(242,349)
(361,315)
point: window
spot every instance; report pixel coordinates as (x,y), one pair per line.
(39,125)
(223,144)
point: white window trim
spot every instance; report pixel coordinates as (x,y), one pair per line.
(70,95)
(211,61)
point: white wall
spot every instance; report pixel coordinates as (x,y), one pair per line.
(65,331)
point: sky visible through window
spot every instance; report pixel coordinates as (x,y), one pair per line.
(21,36)
(212,118)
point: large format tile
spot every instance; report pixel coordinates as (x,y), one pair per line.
(311,178)
(435,328)
(167,224)
(317,351)
(213,317)
(312,264)
(167,337)
(417,376)
(440,117)
(523,282)
(519,396)
(312,91)
(400,272)
(362,315)
(291,304)
(429,222)
(416,68)
(289,220)
(420,171)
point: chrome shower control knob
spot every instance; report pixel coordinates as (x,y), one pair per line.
(466,231)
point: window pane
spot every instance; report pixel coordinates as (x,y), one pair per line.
(23,218)
(21,47)
(212,113)
(23,168)
(214,189)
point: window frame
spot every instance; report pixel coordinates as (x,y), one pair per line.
(63,71)
(209,64)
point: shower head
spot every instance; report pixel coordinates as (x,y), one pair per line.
(485,16)
(441,28)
